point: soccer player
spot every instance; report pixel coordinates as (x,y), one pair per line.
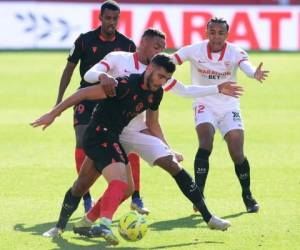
(90,48)
(133,95)
(213,61)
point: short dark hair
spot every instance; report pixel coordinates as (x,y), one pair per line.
(110,5)
(165,61)
(151,32)
(218,20)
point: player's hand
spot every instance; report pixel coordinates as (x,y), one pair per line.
(231,89)
(260,75)
(109,85)
(45,120)
(178,156)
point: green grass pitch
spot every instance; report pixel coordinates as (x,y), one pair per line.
(36,168)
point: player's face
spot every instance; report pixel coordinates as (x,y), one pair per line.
(109,19)
(152,46)
(157,77)
(217,35)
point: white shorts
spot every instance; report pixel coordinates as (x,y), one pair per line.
(224,120)
(148,147)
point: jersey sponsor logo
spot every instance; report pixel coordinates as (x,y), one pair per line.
(94,48)
(211,74)
(236,116)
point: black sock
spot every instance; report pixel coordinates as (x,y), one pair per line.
(87,196)
(136,194)
(201,167)
(243,173)
(189,188)
(69,205)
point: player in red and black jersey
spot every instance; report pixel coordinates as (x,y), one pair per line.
(89,49)
(106,156)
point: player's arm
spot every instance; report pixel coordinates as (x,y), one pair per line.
(90,93)
(65,80)
(98,73)
(196,91)
(152,122)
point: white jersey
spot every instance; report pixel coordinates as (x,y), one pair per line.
(118,64)
(210,69)
(121,63)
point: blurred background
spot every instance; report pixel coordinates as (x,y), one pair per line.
(268,25)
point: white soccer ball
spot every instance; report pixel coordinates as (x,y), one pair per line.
(132,226)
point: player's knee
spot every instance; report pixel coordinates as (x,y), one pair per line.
(78,188)
(237,157)
(168,164)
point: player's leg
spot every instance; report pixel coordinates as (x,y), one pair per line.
(232,129)
(205,122)
(136,200)
(87,176)
(82,114)
(190,189)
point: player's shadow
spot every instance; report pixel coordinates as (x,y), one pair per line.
(186,222)
(65,243)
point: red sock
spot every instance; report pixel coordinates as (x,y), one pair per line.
(79,158)
(112,198)
(134,160)
(94,213)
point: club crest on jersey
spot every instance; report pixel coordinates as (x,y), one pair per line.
(94,48)
(227,64)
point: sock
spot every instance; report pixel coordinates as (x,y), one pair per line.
(201,167)
(69,205)
(112,198)
(136,194)
(189,188)
(134,160)
(242,171)
(79,158)
(94,213)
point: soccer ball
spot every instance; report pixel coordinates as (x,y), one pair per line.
(132,226)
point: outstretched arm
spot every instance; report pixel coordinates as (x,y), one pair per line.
(259,74)
(196,91)
(90,93)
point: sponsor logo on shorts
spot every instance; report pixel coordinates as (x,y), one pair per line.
(236,116)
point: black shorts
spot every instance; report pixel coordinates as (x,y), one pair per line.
(103,147)
(83,112)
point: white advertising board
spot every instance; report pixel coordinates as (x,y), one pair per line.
(47,25)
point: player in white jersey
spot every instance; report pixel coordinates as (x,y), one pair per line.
(138,135)
(214,61)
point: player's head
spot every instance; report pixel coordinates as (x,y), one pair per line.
(159,71)
(217,32)
(153,41)
(109,16)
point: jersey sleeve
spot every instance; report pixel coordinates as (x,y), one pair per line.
(157,99)
(193,91)
(243,62)
(76,51)
(241,56)
(131,47)
(104,66)
(183,54)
